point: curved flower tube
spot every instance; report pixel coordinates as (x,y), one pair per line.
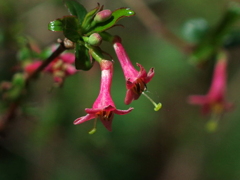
(103,108)
(135,80)
(214,101)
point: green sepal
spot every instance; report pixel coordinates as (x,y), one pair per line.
(89,17)
(83,61)
(71,28)
(76,9)
(116,16)
(55,25)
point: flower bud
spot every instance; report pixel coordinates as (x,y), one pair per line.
(95,39)
(102,16)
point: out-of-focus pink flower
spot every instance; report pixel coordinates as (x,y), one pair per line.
(135,80)
(31,67)
(103,107)
(214,101)
(60,67)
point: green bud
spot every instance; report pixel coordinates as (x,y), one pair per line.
(95,39)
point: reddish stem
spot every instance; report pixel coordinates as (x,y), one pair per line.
(11,112)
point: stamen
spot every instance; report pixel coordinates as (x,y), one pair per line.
(94,129)
(212,124)
(157,106)
(139,86)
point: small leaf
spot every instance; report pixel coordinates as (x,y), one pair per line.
(116,16)
(89,17)
(82,58)
(71,28)
(55,25)
(76,9)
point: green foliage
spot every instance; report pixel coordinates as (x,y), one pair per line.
(116,15)
(16,89)
(76,9)
(215,38)
(80,25)
(232,39)
(56,25)
(194,29)
(83,61)
(71,28)
(89,17)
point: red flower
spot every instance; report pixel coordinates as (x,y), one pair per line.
(214,101)
(103,107)
(135,81)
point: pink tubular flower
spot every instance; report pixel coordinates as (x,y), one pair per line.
(31,67)
(103,107)
(60,67)
(214,101)
(135,81)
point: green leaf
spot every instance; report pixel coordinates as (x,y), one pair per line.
(194,30)
(71,28)
(89,17)
(116,16)
(215,39)
(76,9)
(55,25)
(82,58)
(230,17)
(232,39)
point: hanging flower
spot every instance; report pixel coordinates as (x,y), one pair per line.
(135,80)
(103,108)
(214,101)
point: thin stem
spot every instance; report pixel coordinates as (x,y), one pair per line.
(45,63)
(156,106)
(10,113)
(154,24)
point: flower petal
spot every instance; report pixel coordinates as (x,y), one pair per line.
(129,96)
(149,75)
(70,70)
(142,73)
(68,58)
(129,84)
(122,112)
(84,118)
(198,99)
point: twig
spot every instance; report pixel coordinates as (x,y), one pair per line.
(45,63)
(155,25)
(10,113)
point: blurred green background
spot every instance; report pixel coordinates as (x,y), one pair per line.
(170,144)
